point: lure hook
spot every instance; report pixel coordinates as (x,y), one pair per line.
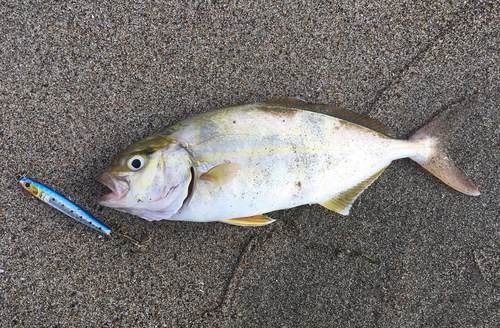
(20,176)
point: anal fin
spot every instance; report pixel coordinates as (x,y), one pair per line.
(250,221)
(343,201)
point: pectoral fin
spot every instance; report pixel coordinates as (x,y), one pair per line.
(221,174)
(343,202)
(250,221)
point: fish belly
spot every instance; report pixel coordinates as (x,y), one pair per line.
(286,159)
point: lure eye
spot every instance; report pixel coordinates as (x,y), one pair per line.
(136,162)
(27,184)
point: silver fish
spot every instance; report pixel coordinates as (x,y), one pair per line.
(236,163)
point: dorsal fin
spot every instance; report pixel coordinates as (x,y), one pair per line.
(334,111)
(286,102)
(343,202)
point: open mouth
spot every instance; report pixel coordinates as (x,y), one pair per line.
(118,185)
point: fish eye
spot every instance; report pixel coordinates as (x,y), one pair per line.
(27,184)
(136,162)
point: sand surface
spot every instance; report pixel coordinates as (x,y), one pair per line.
(81,81)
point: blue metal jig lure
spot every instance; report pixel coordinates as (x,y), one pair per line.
(54,199)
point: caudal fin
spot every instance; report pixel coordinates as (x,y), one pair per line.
(435,135)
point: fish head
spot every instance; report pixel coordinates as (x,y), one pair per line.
(150,178)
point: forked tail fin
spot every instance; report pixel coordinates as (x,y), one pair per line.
(435,159)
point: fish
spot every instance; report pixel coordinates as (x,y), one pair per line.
(61,203)
(237,163)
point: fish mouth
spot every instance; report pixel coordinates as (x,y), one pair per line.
(118,185)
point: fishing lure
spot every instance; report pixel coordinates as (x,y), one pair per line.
(56,200)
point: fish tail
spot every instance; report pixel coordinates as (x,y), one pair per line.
(434,136)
